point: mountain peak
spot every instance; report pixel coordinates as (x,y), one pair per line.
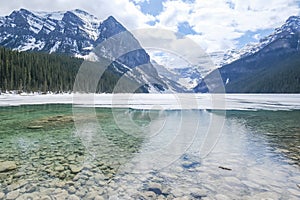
(81,11)
(293,18)
(111,19)
(292,24)
(110,27)
(25,11)
(22,12)
(85,15)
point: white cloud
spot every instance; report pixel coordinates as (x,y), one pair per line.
(172,49)
(220,23)
(174,12)
(140,1)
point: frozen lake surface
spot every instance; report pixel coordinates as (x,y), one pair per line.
(163,101)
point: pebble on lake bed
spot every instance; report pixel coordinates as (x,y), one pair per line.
(34,127)
(7,166)
(50,121)
(2,195)
(59,168)
(12,195)
(75,169)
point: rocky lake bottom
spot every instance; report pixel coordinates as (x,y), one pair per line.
(61,152)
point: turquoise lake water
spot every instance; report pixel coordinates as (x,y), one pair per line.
(61,152)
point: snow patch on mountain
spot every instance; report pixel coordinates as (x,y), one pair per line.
(91,23)
(55,47)
(58,26)
(35,23)
(31,44)
(50,15)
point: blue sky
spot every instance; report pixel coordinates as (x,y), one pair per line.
(152,7)
(216,25)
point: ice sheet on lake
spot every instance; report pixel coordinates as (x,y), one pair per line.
(162,101)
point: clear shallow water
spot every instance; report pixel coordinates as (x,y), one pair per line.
(131,154)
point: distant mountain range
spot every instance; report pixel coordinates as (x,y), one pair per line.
(272,65)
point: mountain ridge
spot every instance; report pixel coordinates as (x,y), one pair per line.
(250,72)
(77,28)
(291,25)
(79,34)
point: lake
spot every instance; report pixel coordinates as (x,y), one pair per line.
(61,151)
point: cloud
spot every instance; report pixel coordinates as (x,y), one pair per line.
(140,1)
(174,12)
(220,23)
(125,11)
(165,46)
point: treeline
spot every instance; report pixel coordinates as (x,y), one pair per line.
(31,71)
(274,77)
(42,72)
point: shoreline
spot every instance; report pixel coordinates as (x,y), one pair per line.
(160,101)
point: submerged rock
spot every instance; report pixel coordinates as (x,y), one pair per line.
(59,168)
(12,195)
(73,197)
(2,195)
(34,127)
(71,157)
(75,169)
(197,193)
(16,185)
(50,121)
(71,190)
(7,166)
(149,195)
(155,187)
(221,197)
(190,164)
(19,174)
(34,195)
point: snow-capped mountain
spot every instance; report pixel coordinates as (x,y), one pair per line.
(287,30)
(78,33)
(187,77)
(260,67)
(73,32)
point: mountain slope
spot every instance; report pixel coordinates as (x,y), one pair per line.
(41,72)
(184,78)
(77,33)
(270,66)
